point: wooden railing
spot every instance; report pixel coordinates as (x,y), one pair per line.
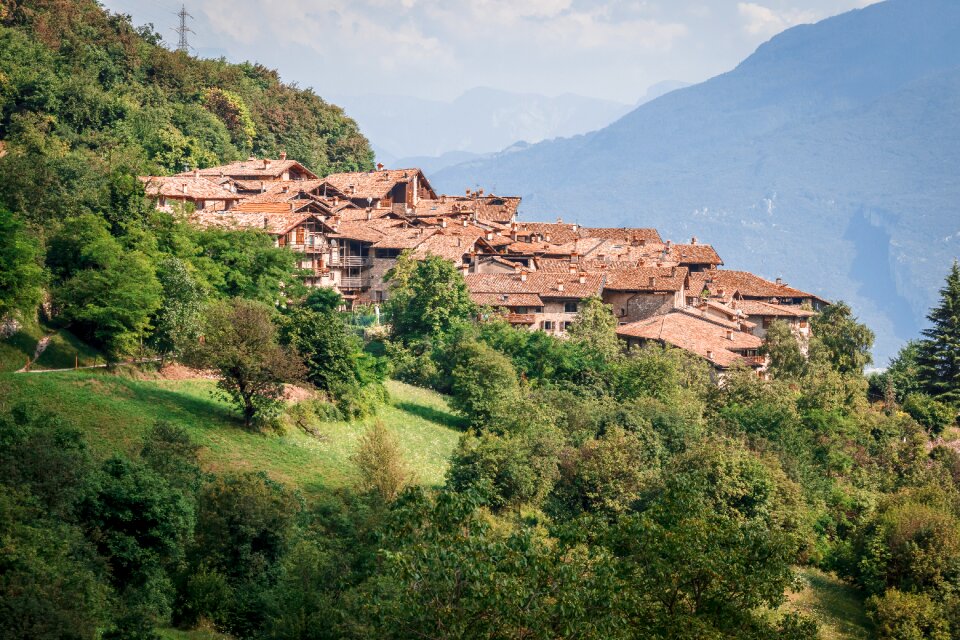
(350,261)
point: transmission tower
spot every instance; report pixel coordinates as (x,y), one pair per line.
(183,30)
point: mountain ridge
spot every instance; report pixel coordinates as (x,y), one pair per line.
(824,129)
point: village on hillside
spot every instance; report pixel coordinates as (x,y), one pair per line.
(350,228)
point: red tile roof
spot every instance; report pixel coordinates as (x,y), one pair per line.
(546,285)
(252,169)
(669,279)
(696,335)
(374,184)
(186,187)
(274,224)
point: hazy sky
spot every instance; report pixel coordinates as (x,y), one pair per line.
(438,48)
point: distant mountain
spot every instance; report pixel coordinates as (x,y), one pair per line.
(482,120)
(831,156)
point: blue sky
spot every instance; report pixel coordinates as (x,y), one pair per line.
(436,49)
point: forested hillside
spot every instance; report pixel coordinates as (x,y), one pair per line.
(87,101)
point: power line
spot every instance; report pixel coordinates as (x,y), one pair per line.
(182,43)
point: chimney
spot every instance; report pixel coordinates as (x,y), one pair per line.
(583,278)
(652,281)
(779,282)
(729,334)
(266,163)
(285,189)
(643,242)
(559,220)
(459,241)
(283,155)
(466,269)
(468,193)
(673,272)
(546,238)
(184,187)
(575,227)
(336,200)
(265,223)
(559,285)
(489,235)
(379,166)
(464,222)
(443,223)
(573,268)
(443,198)
(369,214)
(523,276)
(196,172)
(480,192)
(668,243)
(709,355)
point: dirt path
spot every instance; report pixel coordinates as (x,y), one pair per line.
(92,366)
(41,347)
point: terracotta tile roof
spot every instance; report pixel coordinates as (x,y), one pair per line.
(451,246)
(274,224)
(374,184)
(669,279)
(507,299)
(693,254)
(696,335)
(756,308)
(728,322)
(546,285)
(489,208)
(252,169)
(365,230)
(750,286)
(186,187)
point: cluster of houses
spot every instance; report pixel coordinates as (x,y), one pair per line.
(348,229)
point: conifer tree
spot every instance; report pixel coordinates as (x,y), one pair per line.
(938,359)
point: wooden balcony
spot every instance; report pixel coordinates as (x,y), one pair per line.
(350,261)
(521,318)
(362,282)
(755,361)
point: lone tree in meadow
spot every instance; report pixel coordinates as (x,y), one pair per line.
(938,354)
(240,343)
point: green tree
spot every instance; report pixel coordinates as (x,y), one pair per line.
(178,320)
(240,343)
(21,278)
(245,264)
(932,415)
(481,381)
(105,293)
(595,329)
(782,347)
(938,356)
(383,470)
(507,470)
(840,340)
(907,616)
(323,300)
(427,297)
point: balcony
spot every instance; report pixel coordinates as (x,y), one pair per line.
(521,318)
(362,282)
(337,260)
(755,361)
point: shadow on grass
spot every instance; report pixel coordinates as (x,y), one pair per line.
(445,418)
(200,410)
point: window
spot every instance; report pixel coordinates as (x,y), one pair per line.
(767,322)
(565,325)
(570,307)
(547,325)
(803,324)
(301,235)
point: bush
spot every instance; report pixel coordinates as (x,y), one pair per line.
(907,616)
(932,415)
(383,471)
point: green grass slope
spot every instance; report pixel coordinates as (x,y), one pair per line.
(837,606)
(115,412)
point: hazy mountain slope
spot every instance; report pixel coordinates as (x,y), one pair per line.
(828,156)
(480,121)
